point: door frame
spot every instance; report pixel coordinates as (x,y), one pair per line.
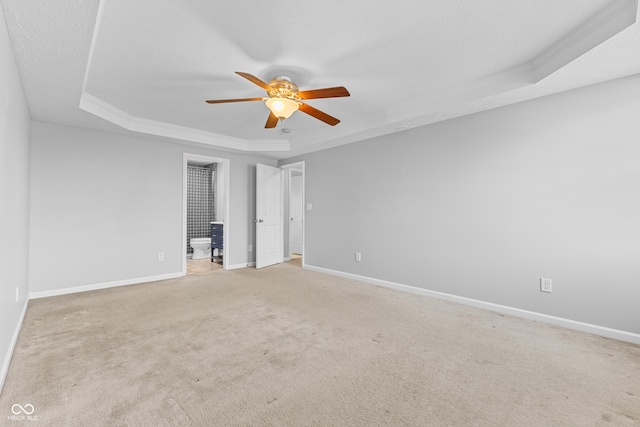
(301,167)
(186,157)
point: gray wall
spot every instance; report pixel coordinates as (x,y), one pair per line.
(104,205)
(14,199)
(484,205)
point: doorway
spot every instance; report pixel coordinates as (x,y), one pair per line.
(294,210)
(219,204)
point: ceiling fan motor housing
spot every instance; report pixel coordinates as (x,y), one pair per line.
(283,87)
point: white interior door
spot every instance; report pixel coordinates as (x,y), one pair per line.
(269,216)
(295,209)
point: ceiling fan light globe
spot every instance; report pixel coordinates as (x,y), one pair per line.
(282,108)
(277,105)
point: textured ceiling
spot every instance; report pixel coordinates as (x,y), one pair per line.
(148,66)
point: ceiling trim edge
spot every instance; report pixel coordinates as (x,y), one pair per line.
(97,107)
(106,111)
(608,22)
(605,24)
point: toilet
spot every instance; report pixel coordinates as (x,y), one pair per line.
(201,247)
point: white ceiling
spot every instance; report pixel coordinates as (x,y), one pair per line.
(148,65)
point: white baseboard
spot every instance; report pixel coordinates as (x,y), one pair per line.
(14,339)
(72,290)
(237,266)
(531,315)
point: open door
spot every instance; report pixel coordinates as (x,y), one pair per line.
(269,237)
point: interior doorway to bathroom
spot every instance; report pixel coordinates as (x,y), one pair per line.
(205,201)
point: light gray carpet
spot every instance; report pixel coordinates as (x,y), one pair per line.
(284,346)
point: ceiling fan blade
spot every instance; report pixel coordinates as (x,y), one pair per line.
(221,101)
(314,112)
(272,121)
(255,80)
(330,92)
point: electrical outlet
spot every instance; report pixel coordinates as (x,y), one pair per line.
(358,256)
(250,248)
(545,285)
(309,206)
(160,256)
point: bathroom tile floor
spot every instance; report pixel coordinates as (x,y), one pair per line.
(202,266)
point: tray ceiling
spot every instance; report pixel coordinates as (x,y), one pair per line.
(148,66)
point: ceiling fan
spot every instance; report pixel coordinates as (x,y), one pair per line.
(284,98)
